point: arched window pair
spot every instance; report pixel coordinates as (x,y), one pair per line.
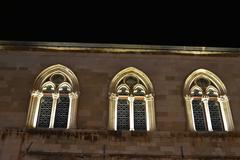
(53,101)
(207,104)
(54,97)
(131,105)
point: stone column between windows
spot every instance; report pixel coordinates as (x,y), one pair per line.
(131,111)
(147,102)
(54,107)
(207,113)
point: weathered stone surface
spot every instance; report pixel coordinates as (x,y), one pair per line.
(91,140)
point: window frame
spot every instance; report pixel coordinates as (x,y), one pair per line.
(148,98)
(221,98)
(38,93)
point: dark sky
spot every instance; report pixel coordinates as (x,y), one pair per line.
(176,36)
(215,31)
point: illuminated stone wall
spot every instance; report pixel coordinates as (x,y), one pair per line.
(92,140)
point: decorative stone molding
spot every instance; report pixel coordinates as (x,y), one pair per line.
(148,98)
(221,98)
(37,94)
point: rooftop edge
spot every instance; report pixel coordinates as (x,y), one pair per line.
(69,46)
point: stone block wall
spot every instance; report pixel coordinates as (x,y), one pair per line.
(91,139)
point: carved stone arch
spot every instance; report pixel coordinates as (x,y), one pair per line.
(148,97)
(131,71)
(58,68)
(221,98)
(37,94)
(203,73)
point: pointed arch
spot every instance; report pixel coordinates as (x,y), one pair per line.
(207,104)
(55,69)
(203,73)
(53,102)
(131,71)
(131,101)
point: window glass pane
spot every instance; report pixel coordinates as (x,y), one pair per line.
(44,113)
(123,114)
(57,78)
(61,116)
(131,81)
(199,116)
(216,116)
(203,83)
(139,115)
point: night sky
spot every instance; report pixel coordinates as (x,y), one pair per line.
(215,31)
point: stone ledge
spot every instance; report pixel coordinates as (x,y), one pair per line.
(116,48)
(108,133)
(127,156)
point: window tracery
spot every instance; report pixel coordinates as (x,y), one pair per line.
(54,99)
(207,103)
(131,101)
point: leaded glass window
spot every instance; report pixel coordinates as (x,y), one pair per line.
(205,97)
(44,113)
(131,81)
(57,78)
(61,116)
(53,102)
(216,116)
(123,114)
(202,83)
(56,101)
(131,101)
(207,105)
(199,115)
(139,115)
(131,95)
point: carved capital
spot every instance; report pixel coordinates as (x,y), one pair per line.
(112,96)
(73,95)
(36,93)
(205,98)
(224,98)
(55,95)
(187,97)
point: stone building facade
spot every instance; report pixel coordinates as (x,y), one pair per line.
(173,126)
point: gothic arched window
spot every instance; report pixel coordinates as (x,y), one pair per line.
(131,105)
(207,103)
(53,101)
